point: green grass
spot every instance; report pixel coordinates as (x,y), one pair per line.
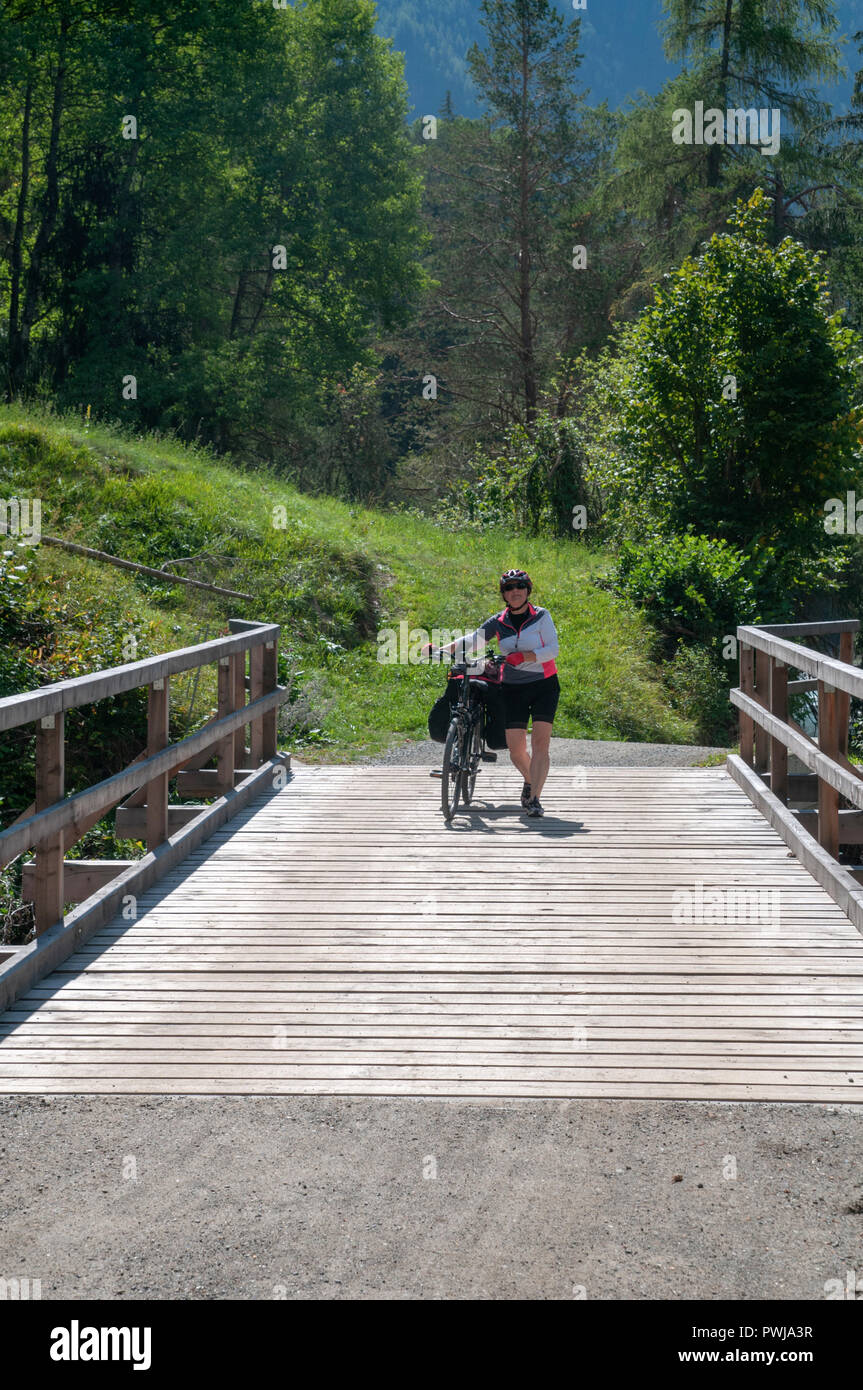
(333,578)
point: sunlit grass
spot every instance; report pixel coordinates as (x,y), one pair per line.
(334,576)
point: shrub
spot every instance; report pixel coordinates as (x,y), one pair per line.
(692,587)
(533,483)
(731,401)
(699,682)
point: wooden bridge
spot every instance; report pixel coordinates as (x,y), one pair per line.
(661,933)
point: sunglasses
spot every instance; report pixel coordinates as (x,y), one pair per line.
(507,587)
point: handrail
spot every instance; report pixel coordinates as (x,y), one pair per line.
(837,673)
(824,767)
(822,629)
(55,815)
(86,690)
(768,734)
(102,795)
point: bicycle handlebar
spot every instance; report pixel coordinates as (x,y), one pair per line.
(461,667)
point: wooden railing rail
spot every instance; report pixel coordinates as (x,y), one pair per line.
(55,822)
(768,733)
(86,690)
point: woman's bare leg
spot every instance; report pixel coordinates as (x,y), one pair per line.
(516,742)
(540,738)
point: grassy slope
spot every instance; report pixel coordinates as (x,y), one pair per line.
(333,577)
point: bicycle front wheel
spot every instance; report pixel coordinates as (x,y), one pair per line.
(473,744)
(451,776)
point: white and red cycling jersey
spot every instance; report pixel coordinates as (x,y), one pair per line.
(535,633)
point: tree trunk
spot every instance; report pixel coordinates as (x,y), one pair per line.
(778,207)
(714,158)
(121,249)
(15,345)
(237,311)
(527,337)
(49,216)
(265,294)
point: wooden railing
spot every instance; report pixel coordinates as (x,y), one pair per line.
(768,734)
(55,822)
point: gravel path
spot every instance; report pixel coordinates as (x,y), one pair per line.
(565,752)
(350,1198)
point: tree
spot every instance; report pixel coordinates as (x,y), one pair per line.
(239,253)
(739,56)
(754,53)
(834,205)
(731,400)
(500,188)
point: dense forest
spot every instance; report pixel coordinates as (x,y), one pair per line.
(222,222)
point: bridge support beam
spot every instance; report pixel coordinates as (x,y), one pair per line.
(747,685)
(269,721)
(762,695)
(778,751)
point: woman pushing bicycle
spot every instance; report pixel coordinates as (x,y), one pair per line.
(527,638)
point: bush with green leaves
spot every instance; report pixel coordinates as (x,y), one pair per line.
(730,404)
(692,587)
(699,681)
(534,482)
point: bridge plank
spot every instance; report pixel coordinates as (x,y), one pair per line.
(512,1089)
(121,1026)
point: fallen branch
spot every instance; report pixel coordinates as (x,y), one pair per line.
(141,569)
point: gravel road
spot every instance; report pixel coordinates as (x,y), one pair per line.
(306,1198)
(565,752)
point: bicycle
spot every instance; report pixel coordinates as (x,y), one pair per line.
(465,741)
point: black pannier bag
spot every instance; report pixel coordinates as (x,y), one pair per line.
(439,719)
(492,699)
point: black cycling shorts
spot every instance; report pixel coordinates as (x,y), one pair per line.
(536,700)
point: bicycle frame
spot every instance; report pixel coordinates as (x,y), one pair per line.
(460,767)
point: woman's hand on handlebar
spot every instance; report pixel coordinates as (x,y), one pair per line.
(516,658)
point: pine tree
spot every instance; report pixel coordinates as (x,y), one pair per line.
(739,55)
(504,190)
(754,53)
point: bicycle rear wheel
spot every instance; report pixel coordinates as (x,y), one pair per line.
(451,775)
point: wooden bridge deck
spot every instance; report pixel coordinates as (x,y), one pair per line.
(337,938)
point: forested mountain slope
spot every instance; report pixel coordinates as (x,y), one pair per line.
(620,40)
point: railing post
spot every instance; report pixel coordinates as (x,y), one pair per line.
(778,751)
(747,686)
(828,797)
(269,721)
(225,751)
(238,662)
(50,788)
(843,700)
(256,690)
(762,691)
(157,739)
